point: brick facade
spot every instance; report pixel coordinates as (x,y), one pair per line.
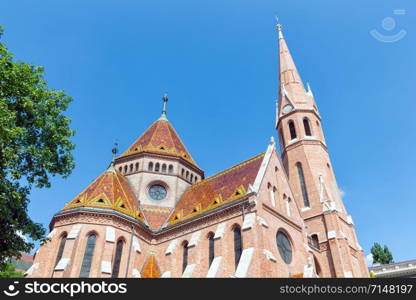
(198,220)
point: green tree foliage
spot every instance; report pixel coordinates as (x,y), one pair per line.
(34,145)
(10,272)
(381,255)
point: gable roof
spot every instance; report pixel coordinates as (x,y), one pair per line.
(160,138)
(150,268)
(155,215)
(225,187)
(110,190)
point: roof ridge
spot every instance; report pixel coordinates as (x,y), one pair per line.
(183,144)
(124,192)
(144,132)
(234,167)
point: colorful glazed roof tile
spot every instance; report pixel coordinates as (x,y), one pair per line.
(224,187)
(155,215)
(160,138)
(110,190)
(151,268)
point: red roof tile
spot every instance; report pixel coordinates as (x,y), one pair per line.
(224,187)
(160,138)
(155,215)
(151,268)
(110,190)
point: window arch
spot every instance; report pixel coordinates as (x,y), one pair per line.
(314,240)
(284,246)
(282,139)
(192,177)
(88,256)
(187,174)
(302,184)
(164,168)
(211,248)
(157,167)
(184,255)
(131,168)
(150,167)
(183,173)
(117,259)
(307,127)
(238,245)
(292,129)
(196,178)
(137,166)
(170,170)
(125,169)
(61,248)
(120,169)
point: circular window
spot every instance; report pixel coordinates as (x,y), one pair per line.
(284,246)
(287,108)
(157,192)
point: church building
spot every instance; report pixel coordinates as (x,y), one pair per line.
(153,213)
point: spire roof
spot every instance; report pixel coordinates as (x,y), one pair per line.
(109,191)
(291,88)
(160,138)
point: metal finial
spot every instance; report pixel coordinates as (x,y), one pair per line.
(279,28)
(114,151)
(165,101)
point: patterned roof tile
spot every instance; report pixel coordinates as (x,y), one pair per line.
(110,190)
(212,192)
(160,138)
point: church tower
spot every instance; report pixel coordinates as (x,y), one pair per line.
(158,166)
(305,157)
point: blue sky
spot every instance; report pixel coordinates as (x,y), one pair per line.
(218,61)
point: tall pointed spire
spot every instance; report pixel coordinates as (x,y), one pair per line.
(165,101)
(291,88)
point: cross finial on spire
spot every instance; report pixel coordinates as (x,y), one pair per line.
(114,151)
(165,101)
(279,28)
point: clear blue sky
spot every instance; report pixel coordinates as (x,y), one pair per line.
(218,61)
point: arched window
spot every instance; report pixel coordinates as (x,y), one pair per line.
(150,167)
(131,168)
(170,169)
(125,169)
(187,174)
(302,185)
(117,259)
(282,139)
(238,245)
(88,255)
(157,167)
(137,167)
(196,178)
(211,250)
(292,130)
(308,131)
(184,256)
(164,168)
(61,249)
(183,172)
(192,177)
(120,169)
(284,246)
(314,241)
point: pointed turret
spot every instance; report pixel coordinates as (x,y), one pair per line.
(161,138)
(292,93)
(109,191)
